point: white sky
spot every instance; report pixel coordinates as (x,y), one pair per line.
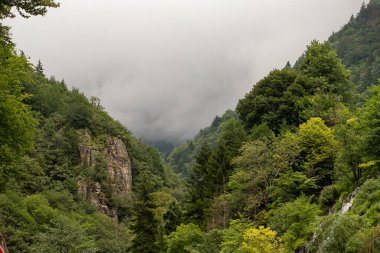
(166,68)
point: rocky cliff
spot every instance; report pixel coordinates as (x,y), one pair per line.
(110,158)
(118,165)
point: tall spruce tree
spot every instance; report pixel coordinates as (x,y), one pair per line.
(144,225)
(198,197)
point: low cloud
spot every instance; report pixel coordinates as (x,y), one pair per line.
(166,68)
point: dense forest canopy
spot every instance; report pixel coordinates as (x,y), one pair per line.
(295,168)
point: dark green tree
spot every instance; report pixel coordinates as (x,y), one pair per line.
(322,64)
(267,103)
(232,136)
(371,119)
(198,197)
(26,8)
(144,224)
(39,67)
(172,217)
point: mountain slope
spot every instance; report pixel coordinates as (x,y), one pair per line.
(305,178)
(358,45)
(182,157)
(71,177)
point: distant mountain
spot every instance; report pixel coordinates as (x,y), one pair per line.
(165,147)
(182,156)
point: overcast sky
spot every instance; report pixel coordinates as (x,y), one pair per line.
(165,68)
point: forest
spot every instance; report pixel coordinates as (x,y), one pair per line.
(293,168)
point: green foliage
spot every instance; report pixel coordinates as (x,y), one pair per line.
(318,150)
(251,176)
(242,237)
(210,175)
(40,223)
(232,136)
(25,175)
(338,233)
(257,170)
(198,196)
(17,125)
(294,222)
(233,235)
(289,185)
(328,196)
(366,202)
(186,238)
(318,86)
(41,127)
(144,223)
(79,112)
(358,43)
(218,170)
(296,142)
(260,240)
(321,62)
(371,118)
(183,157)
(352,143)
(327,106)
(366,241)
(270,101)
(172,216)
(261,131)
(212,241)
(26,8)
(16,222)
(64,235)
(108,235)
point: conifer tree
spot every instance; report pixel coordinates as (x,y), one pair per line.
(39,68)
(197,195)
(145,224)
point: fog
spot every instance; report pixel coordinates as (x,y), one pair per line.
(166,68)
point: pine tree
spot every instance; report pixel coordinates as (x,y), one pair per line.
(197,197)
(287,65)
(172,217)
(39,67)
(145,225)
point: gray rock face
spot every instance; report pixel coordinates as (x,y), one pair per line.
(119,172)
(119,166)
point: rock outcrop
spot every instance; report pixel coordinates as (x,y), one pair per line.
(117,168)
(87,149)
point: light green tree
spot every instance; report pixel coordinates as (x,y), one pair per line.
(187,238)
(260,240)
(319,148)
(294,222)
(17,125)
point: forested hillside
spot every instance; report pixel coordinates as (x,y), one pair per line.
(298,170)
(358,45)
(182,157)
(67,168)
(294,168)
